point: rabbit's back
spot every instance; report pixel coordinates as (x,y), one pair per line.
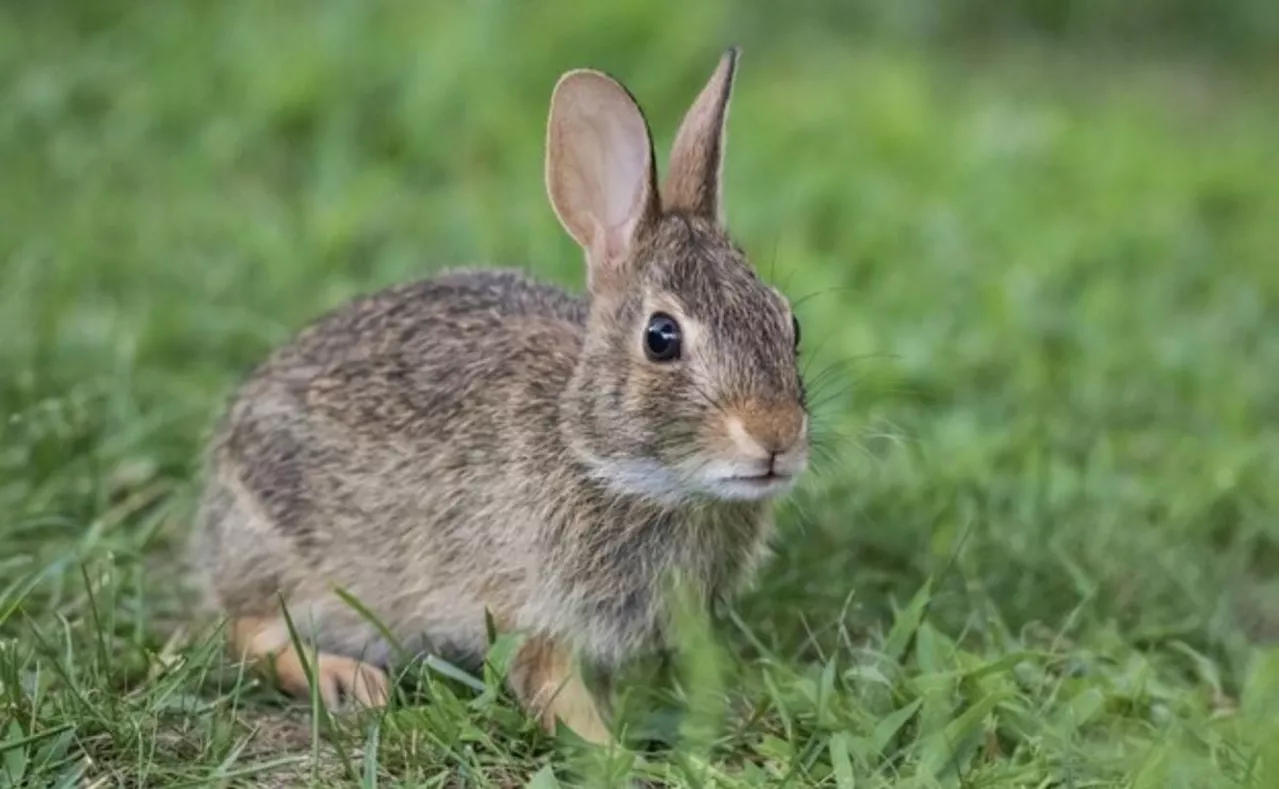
(453,369)
(432,318)
(385,450)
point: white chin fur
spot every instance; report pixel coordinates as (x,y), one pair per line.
(646,478)
(716,480)
(743,481)
(746,488)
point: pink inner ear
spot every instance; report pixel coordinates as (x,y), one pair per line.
(614,150)
(599,166)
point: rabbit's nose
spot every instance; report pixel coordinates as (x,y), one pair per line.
(765,430)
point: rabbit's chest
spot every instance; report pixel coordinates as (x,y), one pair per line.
(619,583)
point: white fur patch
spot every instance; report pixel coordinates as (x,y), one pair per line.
(647,478)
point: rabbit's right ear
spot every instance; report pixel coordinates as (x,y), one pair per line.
(600,169)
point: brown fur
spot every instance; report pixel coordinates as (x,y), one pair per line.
(480,441)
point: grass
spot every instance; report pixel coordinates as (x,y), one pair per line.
(1039,300)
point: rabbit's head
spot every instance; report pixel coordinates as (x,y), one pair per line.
(687,386)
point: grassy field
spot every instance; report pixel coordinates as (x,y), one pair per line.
(1039,295)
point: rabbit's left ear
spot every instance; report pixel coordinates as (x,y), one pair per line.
(693,179)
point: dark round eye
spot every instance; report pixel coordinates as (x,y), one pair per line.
(795,329)
(662,338)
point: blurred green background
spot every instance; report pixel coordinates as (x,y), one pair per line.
(1033,248)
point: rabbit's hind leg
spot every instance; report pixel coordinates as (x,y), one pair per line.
(337,677)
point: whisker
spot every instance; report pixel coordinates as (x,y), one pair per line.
(824,292)
(826,398)
(826,376)
(847,361)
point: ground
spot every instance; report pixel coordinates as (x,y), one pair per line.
(1038,290)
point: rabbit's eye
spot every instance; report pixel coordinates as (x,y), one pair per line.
(795,329)
(662,338)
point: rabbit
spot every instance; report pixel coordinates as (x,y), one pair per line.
(478,447)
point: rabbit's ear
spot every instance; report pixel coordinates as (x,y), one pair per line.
(697,155)
(600,170)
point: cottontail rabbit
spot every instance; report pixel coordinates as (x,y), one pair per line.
(479,441)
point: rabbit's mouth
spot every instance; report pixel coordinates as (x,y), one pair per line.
(753,486)
(768,478)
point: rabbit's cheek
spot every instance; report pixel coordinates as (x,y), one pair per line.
(649,479)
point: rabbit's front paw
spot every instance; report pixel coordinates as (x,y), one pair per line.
(338,678)
(346,679)
(544,678)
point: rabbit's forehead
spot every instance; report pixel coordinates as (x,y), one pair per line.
(719,289)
